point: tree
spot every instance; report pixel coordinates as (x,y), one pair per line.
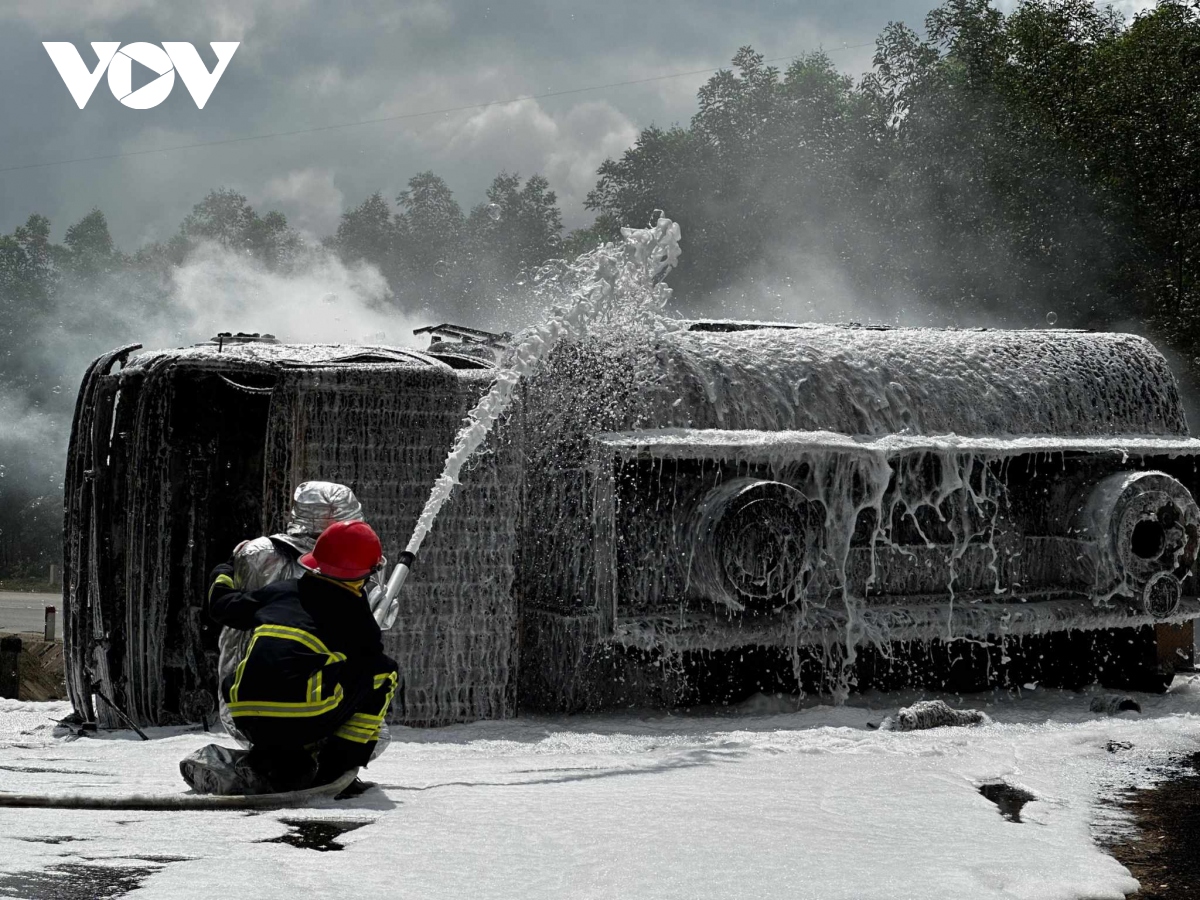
(1139,129)
(664,170)
(1068,139)
(516,229)
(372,233)
(27,273)
(432,222)
(769,165)
(997,220)
(89,250)
(581,240)
(226,218)
(28,281)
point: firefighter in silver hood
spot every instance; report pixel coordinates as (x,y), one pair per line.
(315,506)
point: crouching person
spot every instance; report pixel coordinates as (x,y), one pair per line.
(314,687)
(315,506)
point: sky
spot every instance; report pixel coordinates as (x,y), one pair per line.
(304,64)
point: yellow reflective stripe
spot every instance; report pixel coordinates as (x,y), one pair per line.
(253,707)
(380,680)
(308,640)
(222,581)
(272,713)
(287,710)
(237,676)
(360,728)
(391,692)
(293,634)
(357,736)
(315,683)
(324,706)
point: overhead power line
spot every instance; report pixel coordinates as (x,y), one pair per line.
(397,118)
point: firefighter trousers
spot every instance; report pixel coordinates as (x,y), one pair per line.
(295,753)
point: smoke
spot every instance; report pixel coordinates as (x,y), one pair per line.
(848,265)
(27,429)
(808,283)
(319,300)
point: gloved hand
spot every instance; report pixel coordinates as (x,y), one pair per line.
(225,568)
(220,579)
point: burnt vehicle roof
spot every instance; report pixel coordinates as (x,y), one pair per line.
(260,354)
(850,378)
(871,380)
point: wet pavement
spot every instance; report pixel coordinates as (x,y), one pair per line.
(26,612)
(1008,799)
(1164,855)
(75,881)
(315,834)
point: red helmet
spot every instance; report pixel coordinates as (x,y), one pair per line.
(346,551)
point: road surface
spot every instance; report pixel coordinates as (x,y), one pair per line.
(21,611)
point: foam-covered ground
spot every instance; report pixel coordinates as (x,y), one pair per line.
(767,801)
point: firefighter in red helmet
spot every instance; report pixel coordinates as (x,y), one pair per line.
(314,687)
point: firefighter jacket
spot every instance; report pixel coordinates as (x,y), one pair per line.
(315,653)
(264,561)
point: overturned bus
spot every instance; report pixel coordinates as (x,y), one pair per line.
(680,517)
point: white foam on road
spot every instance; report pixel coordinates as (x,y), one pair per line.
(761,803)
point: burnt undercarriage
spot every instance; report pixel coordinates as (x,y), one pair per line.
(730,568)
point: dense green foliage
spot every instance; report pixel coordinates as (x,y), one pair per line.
(998,168)
(993,169)
(434,256)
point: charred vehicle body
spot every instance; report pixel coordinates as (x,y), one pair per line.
(177,456)
(665,519)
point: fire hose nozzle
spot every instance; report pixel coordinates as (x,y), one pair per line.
(399,574)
